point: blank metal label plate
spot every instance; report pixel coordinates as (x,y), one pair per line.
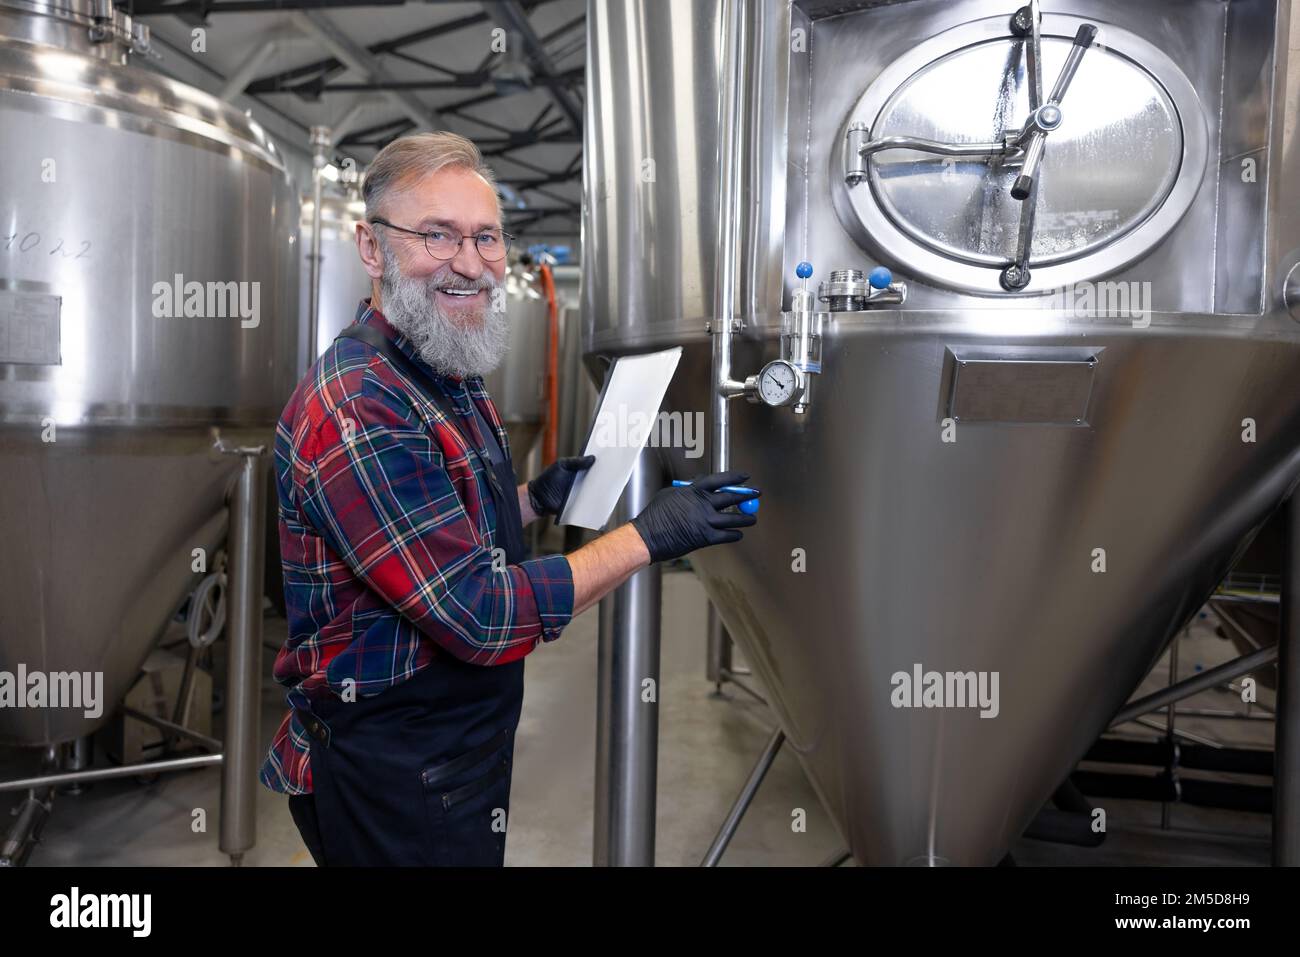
(1044,389)
(29,327)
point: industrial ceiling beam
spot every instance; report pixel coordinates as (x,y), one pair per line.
(343,125)
(358,58)
(512,15)
(155,8)
(492,146)
(378,135)
(239,80)
(455,82)
(321,68)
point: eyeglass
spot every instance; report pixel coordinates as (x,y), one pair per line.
(444,242)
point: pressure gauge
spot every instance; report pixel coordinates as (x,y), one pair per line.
(780,383)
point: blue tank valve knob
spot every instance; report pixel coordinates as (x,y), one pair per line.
(803,270)
(880,278)
(749,507)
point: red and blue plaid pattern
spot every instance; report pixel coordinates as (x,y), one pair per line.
(386,538)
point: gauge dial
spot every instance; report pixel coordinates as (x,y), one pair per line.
(780,383)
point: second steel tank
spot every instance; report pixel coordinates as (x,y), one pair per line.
(1013,465)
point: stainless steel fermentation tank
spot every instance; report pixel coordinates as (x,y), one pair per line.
(343,281)
(122,188)
(518,384)
(1032,450)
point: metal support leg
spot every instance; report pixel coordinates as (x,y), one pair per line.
(719,661)
(837,858)
(76,755)
(30,816)
(1172,767)
(244,657)
(1219,675)
(744,799)
(1286,747)
(627,709)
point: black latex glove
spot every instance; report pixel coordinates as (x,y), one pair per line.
(680,520)
(548,492)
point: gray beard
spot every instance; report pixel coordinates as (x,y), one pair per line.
(450,344)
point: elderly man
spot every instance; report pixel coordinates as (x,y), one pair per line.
(411,600)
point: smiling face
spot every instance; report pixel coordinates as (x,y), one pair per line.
(453,198)
(447,308)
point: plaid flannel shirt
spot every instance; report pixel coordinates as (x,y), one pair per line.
(386,537)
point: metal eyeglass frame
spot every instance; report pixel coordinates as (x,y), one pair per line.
(506,239)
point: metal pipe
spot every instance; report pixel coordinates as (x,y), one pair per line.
(243,656)
(1197,683)
(923,145)
(1236,598)
(718,663)
(1233,624)
(1170,730)
(627,715)
(320,145)
(837,858)
(25,832)
(732,677)
(185,699)
(1286,745)
(724,278)
(744,799)
(106,774)
(1222,714)
(1165,730)
(1033,55)
(76,755)
(212,745)
(1082,40)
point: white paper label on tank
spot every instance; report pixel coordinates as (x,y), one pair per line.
(29,327)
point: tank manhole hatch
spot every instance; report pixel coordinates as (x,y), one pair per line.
(958,166)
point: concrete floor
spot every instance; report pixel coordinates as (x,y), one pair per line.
(707,747)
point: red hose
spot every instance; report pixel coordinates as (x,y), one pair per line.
(550,436)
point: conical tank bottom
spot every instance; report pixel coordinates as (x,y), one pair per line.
(1036,569)
(100,533)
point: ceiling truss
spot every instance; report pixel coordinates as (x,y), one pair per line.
(558,122)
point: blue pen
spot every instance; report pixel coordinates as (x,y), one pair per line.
(749,507)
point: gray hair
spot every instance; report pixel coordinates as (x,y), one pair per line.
(419,154)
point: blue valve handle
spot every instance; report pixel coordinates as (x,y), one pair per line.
(880,278)
(749,508)
(803,270)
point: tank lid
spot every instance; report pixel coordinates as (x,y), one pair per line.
(104,22)
(1124,158)
(143,100)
